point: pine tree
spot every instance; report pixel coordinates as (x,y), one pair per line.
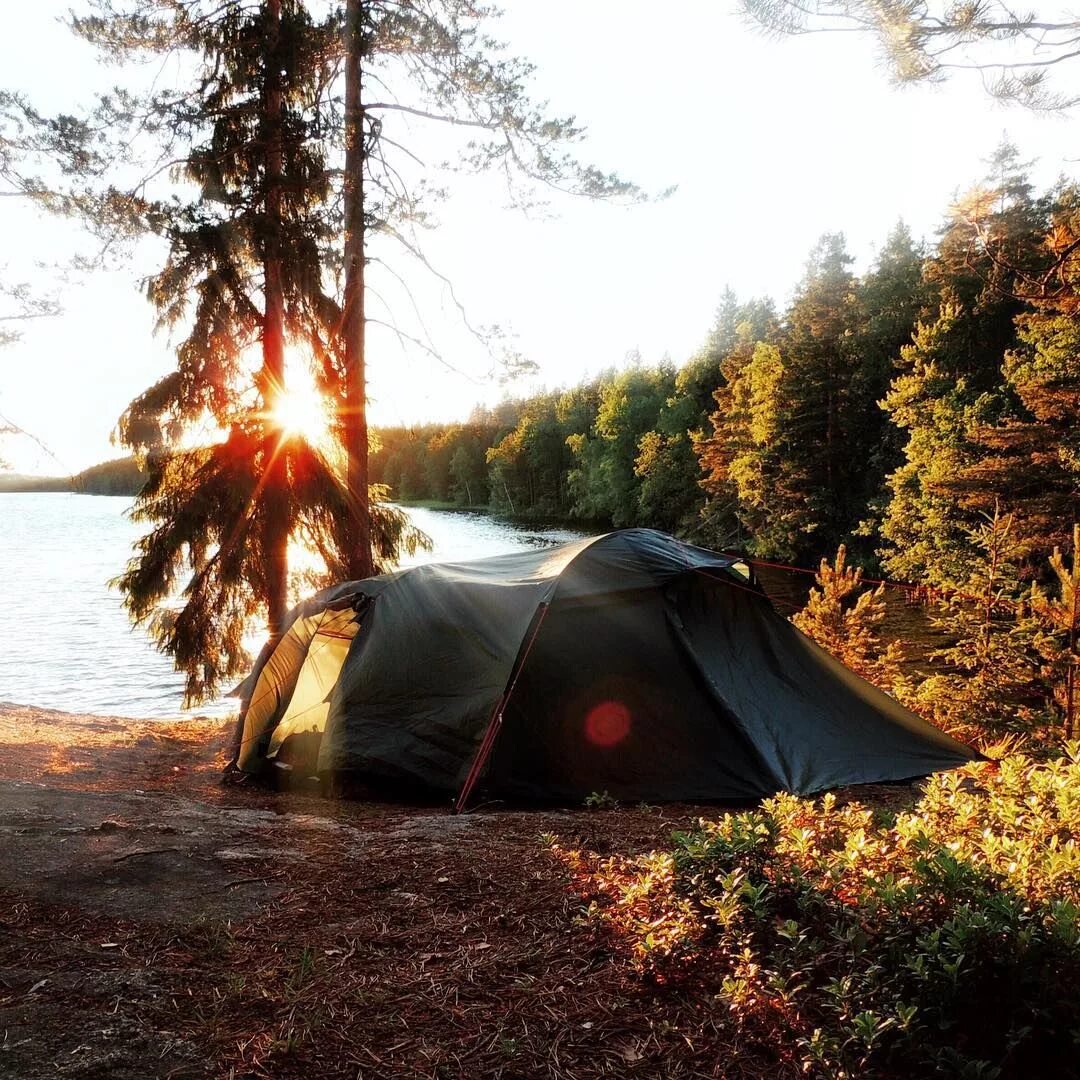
(796,418)
(754,465)
(669,462)
(786,415)
(1058,640)
(890,299)
(670,496)
(844,618)
(951,384)
(990,670)
(1028,453)
(244,271)
(928,534)
(818,468)
(354,426)
(725,333)
(454,75)
(730,511)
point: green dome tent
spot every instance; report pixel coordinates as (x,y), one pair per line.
(629,663)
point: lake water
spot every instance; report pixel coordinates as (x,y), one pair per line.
(65,641)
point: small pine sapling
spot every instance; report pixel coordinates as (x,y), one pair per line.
(844,618)
(1057,638)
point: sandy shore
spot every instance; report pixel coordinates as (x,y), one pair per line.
(156,924)
(81,749)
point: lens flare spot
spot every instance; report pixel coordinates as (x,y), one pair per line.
(607,724)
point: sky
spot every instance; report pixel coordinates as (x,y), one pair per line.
(768,143)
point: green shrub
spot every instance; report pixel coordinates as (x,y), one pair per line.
(600,800)
(944,942)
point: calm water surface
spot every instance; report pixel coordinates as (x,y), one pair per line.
(65,641)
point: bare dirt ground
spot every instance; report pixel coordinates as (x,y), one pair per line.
(156,924)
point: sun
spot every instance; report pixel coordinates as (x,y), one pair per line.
(297,412)
(300,409)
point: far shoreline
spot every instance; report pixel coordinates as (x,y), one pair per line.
(121,476)
(58,485)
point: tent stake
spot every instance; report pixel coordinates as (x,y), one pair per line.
(488,741)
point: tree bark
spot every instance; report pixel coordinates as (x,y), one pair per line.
(1074,626)
(358,557)
(275,490)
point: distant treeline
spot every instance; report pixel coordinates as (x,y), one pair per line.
(890,411)
(12,482)
(123,476)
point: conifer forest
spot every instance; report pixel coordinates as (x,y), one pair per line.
(919,418)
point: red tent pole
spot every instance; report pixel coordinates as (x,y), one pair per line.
(482,753)
(495,723)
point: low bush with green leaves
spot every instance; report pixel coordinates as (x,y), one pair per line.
(942,941)
(600,800)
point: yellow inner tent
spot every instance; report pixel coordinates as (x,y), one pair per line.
(317,645)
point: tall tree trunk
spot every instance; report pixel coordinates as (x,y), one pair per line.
(358,556)
(275,491)
(1074,628)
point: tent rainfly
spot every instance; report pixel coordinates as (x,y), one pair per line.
(630,663)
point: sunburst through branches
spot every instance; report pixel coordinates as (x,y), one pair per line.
(300,409)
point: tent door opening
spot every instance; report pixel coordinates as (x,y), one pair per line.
(296,738)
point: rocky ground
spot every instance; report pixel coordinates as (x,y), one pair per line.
(154,923)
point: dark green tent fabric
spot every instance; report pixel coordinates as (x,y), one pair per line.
(636,664)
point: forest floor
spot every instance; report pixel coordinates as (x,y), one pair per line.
(154,923)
